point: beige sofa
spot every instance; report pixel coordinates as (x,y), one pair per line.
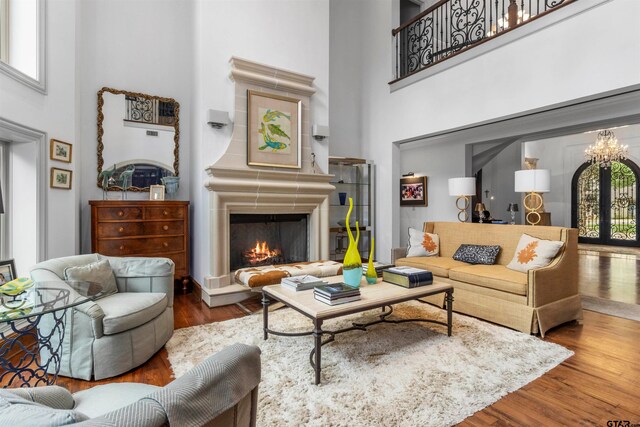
(529,302)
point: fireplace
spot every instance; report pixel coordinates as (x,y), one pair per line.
(267,239)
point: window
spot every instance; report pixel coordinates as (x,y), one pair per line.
(4,31)
(22,41)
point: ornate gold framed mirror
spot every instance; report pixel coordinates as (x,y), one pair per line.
(138,139)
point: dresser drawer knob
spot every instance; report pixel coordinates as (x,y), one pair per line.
(165,244)
(120,213)
(165,227)
(165,213)
(121,247)
(121,229)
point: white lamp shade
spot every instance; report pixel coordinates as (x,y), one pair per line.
(533,180)
(462,186)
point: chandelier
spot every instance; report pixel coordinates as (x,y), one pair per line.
(606,150)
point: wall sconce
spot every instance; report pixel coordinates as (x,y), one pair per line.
(533,182)
(319,132)
(462,188)
(217,119)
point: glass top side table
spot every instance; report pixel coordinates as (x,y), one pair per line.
(32,325)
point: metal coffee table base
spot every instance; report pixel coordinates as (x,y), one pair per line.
(315,357)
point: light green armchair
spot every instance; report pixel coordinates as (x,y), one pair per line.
(118,332)
(220,391)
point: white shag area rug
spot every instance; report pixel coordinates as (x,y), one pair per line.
(404,374)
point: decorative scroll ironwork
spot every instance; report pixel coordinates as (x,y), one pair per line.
(467,23)
(25,345)
(623,202)
(451,26)
(588,191)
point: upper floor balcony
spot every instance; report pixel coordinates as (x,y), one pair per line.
(451,27)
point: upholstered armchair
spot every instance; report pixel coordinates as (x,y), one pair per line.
(120,331)
(221,391)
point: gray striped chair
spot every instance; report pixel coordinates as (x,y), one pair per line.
(221,391)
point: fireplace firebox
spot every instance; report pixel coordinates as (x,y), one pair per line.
(266,239)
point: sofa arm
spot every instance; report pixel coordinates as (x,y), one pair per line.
(397,253)
(559,279)
(90,309)
(224,380)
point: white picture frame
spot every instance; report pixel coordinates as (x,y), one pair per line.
(156,192)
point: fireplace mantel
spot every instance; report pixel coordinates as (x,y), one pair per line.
(237,188)
(260,191)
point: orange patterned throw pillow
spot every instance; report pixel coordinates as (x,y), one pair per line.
(422,244)
(534,253)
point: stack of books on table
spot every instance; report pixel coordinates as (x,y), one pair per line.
(379,266)
(302,283)
(336,293)
(408,277)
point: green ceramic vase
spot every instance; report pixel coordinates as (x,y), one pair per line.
(372,276)
(352,264)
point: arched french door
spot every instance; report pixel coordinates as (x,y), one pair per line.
(604,203)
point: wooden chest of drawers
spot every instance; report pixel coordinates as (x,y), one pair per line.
(142,228)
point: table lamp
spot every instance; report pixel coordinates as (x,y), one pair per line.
(462,188)
(533,182)
(512,209)
(480,209)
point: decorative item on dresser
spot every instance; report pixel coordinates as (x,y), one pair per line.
(146,228)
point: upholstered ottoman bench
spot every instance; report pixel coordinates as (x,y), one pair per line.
(257,277)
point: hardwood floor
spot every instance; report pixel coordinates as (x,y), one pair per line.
(599,383)
(610,275)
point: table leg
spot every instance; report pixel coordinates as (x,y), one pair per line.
(265,315)
(317,336)
(449,311)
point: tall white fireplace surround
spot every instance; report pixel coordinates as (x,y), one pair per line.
(236,188)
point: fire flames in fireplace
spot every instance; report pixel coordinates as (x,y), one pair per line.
(261,254)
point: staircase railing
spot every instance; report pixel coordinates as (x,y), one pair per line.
(451,26)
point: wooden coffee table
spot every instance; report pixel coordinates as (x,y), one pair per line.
(380,295)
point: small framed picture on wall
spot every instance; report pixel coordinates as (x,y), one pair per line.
(413,191)
(156,192)
(61,151)
(61,178)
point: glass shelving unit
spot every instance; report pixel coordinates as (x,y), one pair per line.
(355,178)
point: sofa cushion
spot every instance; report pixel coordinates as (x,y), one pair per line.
(422,244)
(439,266)
(477,254)
(128,310)
(99,400)
(98,272)
(17,411)
(532,252)
(496,277)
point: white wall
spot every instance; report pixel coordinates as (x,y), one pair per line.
(345,85)
(54,114)
(563,156)
(141,46)
(427,161)
(551,66)
(289,34)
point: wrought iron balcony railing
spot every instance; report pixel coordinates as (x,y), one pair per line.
(451,26)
